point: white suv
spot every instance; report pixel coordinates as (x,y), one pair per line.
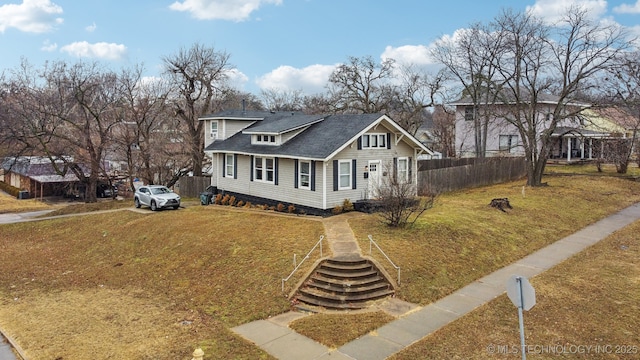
(156,197)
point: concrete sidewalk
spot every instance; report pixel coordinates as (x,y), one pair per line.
(277,339)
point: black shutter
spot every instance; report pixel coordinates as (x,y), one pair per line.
(235,166)
(360,143)
(313,175)
(395,169)
(335,175)
(224,165)
(410,171)
(275,171)
(353,174)
(251,168)
(295,173)
(388,140)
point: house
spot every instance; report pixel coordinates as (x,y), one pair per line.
(313,162)
(587,138)
(37,175)
(503,138)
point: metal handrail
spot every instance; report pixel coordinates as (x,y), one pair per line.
(305,258)
(371,241)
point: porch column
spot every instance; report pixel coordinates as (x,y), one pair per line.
(568,149)
(590,148)
(582,149)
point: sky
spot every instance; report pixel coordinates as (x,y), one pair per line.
(272,44)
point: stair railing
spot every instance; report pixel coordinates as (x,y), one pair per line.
(318,244)
(372,242)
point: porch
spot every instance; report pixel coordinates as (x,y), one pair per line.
(572,145)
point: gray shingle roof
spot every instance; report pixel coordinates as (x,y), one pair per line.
(279,124)
(249,115)
(318,141)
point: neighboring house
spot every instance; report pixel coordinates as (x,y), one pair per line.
(313,162)
(502,138)
(586,139)
(37,176)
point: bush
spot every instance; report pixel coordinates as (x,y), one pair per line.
(240,203)
(280,207)
(225,199)
(336,210)
(11,190)
(247,204)
(347,205)
(218,199)
(232,201)
(291,209)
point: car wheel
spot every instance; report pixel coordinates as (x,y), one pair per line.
(176,207)
(153,206)
(136,202)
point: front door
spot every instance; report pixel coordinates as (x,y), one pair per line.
(374,178)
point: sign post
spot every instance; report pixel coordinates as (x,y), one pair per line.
(523,296)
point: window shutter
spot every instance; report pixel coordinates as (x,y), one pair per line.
(360,143)
(335,175)
(295,173)
(388,140)
(410,171)
(251,168)
(313,175)
(275,171)
(354,178)
(395,169)
(224,165)
(235,166)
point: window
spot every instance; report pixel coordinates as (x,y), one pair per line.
(266,139)
(304,175)
(378,141)
(229,165)
(214,129)
(344,174)
(403,169)
(507,142)
(263,169)
(469,113)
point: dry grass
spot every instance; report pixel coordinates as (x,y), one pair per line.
(338,329)
(589,300)
(462,238)
(9,204)
(107,275)
(158,285)
(81,207)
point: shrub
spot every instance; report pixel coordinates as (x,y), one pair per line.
(11,190)
(347,205)
(218,199)
(225,199)
(232,201)
(247,204)
(291,209)
(336,210)
(240,203)
(280,207)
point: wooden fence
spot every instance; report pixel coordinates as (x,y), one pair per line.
(192,186)
(444,175)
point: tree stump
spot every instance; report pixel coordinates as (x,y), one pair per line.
(501,203)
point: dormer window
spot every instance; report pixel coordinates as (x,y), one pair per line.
(214,130)
(265,139)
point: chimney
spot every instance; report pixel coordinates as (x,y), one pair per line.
(244,107)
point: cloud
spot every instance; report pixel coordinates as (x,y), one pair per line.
(235,10)
(628,9)
(102,50)
(408,55)
(552,11)
(311,79)
(35,16)
(48,46)
(91,28)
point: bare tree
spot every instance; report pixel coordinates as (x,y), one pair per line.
(282,100)
(533,59)
(470,58)
(444,130)
(362,85)
(198,74)
(399,205)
